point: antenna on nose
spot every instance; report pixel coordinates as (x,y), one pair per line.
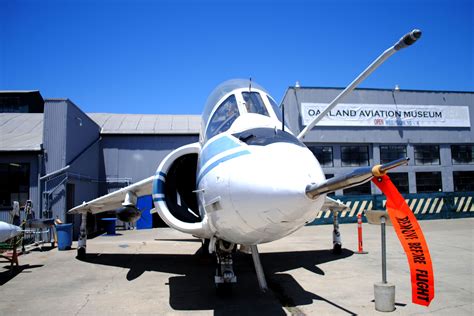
(407,40)
(283,116)
(250,84)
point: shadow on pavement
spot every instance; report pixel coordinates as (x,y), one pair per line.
(9,274)
(195,290)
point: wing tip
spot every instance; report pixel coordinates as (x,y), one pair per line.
(80,209)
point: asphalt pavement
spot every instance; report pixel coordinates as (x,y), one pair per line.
(164,272)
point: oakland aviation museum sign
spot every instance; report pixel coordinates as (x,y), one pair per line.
(346,114)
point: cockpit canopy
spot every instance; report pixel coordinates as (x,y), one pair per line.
(231,99)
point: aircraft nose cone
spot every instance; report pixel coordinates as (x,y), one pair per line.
(274,180)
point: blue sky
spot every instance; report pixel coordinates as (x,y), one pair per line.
(166,57)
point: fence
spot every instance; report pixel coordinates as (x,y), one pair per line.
(423,205)
(31,236)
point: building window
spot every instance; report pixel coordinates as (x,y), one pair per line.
(392,152)
(400,180)
(427,155)
(463,181)
(462,154)
(323,154)
(14,183)
(363,189)
(12,105)
(329,176)
(428,182)
(354,156)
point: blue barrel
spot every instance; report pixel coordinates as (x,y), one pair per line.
(109,225)
(64,236)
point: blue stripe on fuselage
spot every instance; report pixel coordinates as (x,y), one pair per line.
(216,147)
(219,161)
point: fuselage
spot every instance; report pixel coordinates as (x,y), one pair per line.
(252,174)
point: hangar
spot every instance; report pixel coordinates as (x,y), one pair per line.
(57,156)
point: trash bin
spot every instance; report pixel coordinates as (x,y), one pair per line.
(109,225)
(64,232)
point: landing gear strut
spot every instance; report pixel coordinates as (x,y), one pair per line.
(259,269)
(336,235)
(225,276)
(81,243)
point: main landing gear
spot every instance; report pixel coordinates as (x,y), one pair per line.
(81,243)
(336,235)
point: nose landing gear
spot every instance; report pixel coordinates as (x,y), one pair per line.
(225,275)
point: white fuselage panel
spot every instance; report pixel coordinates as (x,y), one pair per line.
(254,194)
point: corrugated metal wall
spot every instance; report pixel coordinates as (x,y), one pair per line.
(70,138)
(136,157)
(54,134)
(84,175)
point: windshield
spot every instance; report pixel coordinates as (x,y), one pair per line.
(275,107)
(223,117)
(254,103)
(220,91)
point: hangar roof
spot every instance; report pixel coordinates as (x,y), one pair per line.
(21,131)
(146,123)
(24,131)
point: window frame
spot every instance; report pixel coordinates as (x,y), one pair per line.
(456,177)
(428,180)
(229,120)
(345,164)
(311,147)
(416,150)
(471,152)
(393,178)
(276,109)
(260,101)
(366,185)
(382,160)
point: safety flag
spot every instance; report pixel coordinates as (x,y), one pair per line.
(411,237)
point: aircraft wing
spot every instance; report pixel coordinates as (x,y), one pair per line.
(115,199)
(333,205)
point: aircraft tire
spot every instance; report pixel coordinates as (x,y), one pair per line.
(81,253)
(337,249)
(224,289)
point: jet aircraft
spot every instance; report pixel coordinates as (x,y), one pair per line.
(249,180)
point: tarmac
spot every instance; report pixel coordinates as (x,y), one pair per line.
(163,272)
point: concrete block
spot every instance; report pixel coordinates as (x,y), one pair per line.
(384,297)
